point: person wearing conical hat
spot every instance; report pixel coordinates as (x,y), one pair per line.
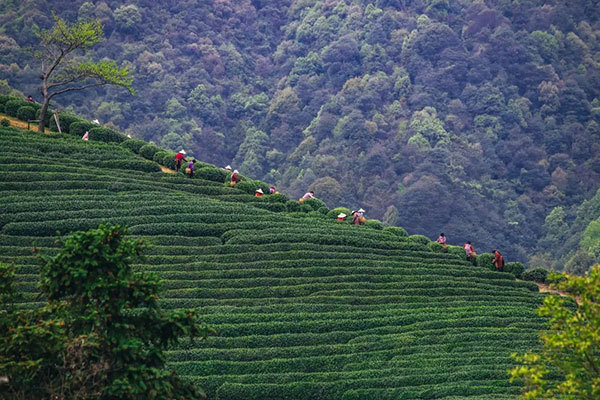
(86,136)
(356,218)
(341,217)
(227,168)
(234,178)
(259,193)
(179,158)
(361,216)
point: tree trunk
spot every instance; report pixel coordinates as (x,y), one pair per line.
(43,111)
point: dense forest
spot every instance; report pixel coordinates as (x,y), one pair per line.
(480,119)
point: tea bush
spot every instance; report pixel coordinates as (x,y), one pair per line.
(4,122)
(65,120)
(535,275)
(333,213)
(147,151)
(424,240)
(134,144)
(212,174)
(515,268)
(11,107)
(374,224)
(305,307)
(26,113)
(79,128)
(485,260)
(396,230)
(314,204)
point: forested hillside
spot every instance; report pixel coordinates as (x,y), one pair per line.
(476,118)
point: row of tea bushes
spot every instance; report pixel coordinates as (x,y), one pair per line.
(304,307)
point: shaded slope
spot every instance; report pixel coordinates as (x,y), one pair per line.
(306,308)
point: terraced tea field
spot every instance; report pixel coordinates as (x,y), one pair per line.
(305,307)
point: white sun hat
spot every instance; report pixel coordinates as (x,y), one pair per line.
(235,171)
(361,210)
(341,215)
(259,191)
(228,167)
(182,151)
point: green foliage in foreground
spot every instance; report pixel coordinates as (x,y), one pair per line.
(571,344)
(102,331)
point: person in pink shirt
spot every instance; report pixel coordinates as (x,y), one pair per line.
(469,251)
(307,195)
(86,136)
(442,240)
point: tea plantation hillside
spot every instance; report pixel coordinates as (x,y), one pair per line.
(305,307)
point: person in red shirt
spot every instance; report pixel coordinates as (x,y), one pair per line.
(235,178)
(498,260)
(179,158)
(259,193)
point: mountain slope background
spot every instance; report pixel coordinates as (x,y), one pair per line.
(476,118)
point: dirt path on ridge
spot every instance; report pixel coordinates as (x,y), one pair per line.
(166,170)
(18,123)
(545,288)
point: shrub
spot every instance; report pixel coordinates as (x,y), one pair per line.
(148,150)
(419,239)
(535,275)
(292,206)
(314,204)
(305,208)
(515,268)
(100,134)
(26,113)
(485,260)
(116,137)
(4,122)
(250,186)
(4,98)
(65,119)
(212,174)
(396,230)
(436,247)
(457,251)
(337,211)
(168,160)
(78,128)
(323,210)
(374,224)
(277,198)
(134,145)
(11,107)
(159,156)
